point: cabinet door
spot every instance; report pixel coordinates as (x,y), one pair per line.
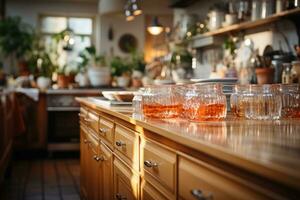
(92,168)
(105,173)
(83,163)
(126,183)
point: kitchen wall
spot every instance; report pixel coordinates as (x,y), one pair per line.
(136,27)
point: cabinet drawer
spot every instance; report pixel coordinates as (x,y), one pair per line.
(83,114)
(106,130)
(148,192)
(92,142)
(198,180)
(126,183)
(92,121)
(158,164)
(127,145)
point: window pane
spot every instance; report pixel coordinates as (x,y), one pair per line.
(81,25)
(53,24)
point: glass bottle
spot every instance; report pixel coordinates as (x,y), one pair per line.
(287,75)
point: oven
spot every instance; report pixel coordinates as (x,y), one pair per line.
(63,122)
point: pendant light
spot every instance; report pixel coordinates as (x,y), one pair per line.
(155,28)
(128,12)
(136,10)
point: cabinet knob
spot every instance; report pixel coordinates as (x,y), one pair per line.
(103,130)
(98,158)
(198,194)
(120,197)
(150,164)
(120,143)
(85,141)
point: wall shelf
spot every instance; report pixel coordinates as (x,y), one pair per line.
(202,40)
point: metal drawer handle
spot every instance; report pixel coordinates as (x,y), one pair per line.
(150,164)
(103,130)
(86,141)
(198,194)
(88,120)
(98,158)
(120,143)
(120,197)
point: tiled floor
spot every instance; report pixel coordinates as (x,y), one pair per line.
(43,179)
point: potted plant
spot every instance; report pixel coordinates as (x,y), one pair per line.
(264,72)
(121,71)
(16,40)
(98,71)
(138,69)
(63,79)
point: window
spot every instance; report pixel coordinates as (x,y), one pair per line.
(83,35)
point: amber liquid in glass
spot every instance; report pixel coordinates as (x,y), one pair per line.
(161,111)
(208,112)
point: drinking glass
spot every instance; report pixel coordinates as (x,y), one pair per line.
(262,102)
(204,102)
(290,94)
(160,102)
(237,101)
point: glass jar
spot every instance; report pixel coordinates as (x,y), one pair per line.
(262,102)
(290,100)
(236,100)
(204,102)
(287,75)
(159,101)
(137,103)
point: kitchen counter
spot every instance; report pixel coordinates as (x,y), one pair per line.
(267,148)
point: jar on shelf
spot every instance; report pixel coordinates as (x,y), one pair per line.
(262,102)
(290,100)
(204,102)
(236,100)
(287,74)
(159,101)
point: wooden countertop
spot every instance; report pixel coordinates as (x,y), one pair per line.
(268,148)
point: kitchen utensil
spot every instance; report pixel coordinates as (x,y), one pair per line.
(267,8)
(256,10)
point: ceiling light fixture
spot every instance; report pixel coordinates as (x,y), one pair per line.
(155,28)
(128,12)
(135,8)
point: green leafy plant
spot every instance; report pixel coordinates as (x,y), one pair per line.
(89,57)
(119,67)
(137,61)
(15,37)
(40,64)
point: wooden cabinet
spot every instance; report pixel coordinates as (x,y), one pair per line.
(127,146)
(122,162)
(106,130)
(158,167)
(198,180)
(7,123)
(126,182)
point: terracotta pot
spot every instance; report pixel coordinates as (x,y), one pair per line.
(72,78)
(63,81)
(23,68)
(264,75)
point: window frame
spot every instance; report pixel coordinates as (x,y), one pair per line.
(68,16)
